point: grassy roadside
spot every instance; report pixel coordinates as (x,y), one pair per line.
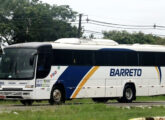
(79,101)
(138,99)
(83,109)
(83,112)
(154,98)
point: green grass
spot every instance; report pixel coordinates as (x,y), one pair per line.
(138,99)
(84,112)
(154,98)
(79,101)
(6,102)
(83,109)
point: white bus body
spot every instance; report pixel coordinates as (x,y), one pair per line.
(73,68)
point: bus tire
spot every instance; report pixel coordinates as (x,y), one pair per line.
(128,94)
(100,100)
(57,96)
(27,102)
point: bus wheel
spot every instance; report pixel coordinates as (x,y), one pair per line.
(27,102)
(57,96)
(128,94)
(100,100)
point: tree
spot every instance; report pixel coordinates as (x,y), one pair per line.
(32,20)
(123,37)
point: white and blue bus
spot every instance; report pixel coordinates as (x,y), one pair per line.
(74,68)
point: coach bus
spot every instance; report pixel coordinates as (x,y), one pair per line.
(71,68)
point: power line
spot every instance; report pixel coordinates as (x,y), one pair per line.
(160,29)
(117,26)
(123,26)
(93,32)
(114,25)
(77,23)
(160,26)
(100,33)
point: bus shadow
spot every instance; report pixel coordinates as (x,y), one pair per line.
(47,104)
(92,103)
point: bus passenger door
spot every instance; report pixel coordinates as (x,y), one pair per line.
(43,81)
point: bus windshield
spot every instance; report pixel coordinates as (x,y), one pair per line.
(18,63)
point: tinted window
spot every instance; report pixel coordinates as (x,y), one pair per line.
(107,58)
(83,57)
(132,58)
(44,62)
(102,58)
(146,59)
(160,59)
(118,58)
(18,63)
(73,57)
(62,57)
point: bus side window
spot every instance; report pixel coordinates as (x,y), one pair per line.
(62,57)
(146,59)
(132,59)
(108,58)
(160,59)
(44,65)
(83,57)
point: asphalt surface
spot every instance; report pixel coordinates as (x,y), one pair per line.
(40,106)
(138,104)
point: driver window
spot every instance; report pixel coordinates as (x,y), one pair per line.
(44,65)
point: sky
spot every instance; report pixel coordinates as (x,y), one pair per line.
(127,12)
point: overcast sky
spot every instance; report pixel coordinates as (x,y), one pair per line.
(130,12)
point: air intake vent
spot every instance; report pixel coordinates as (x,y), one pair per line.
(12,89)
(77,41)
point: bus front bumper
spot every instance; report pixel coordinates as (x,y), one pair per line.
(16,95)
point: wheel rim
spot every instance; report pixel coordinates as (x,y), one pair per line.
(129,93)
(57,95)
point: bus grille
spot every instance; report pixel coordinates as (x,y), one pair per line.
(11,93)
(16,97)
(12,89)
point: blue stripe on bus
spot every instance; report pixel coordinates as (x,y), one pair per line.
(71,77)
(160,72)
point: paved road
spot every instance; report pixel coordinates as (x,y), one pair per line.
(13,107)
(138,104)
(39,106)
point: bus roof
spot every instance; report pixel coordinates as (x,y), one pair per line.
(99,44)
(29,45)
(94,44)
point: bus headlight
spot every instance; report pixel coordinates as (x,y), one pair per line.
(29,86)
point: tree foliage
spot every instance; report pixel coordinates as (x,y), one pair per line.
(32,20)
(124,37)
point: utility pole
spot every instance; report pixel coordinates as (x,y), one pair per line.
(27,29)
(154,26)
(79,27)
